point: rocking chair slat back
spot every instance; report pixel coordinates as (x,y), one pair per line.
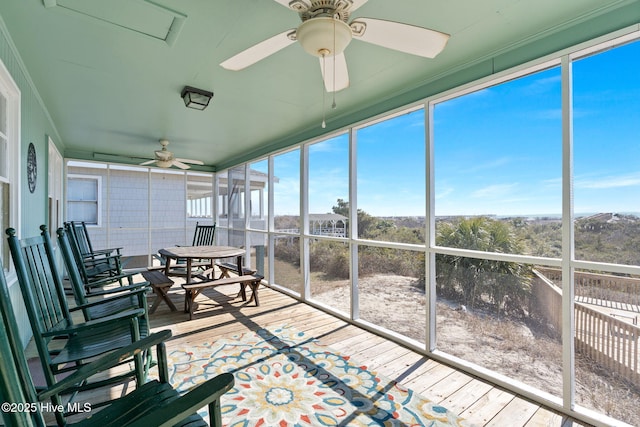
(41,282)
(16,385)
(50,318)
(154,403)
(204,235)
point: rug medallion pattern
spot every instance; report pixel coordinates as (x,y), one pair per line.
(285,378)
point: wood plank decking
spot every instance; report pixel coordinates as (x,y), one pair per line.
(221,314)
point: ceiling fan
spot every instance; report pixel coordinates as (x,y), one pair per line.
(165,158)
(325,33)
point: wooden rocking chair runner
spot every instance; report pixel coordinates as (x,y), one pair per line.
(153,404)
(50,317)
(104,302)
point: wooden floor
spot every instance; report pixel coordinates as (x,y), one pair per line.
(220,314)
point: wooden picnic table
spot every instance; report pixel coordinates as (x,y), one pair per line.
(193,253)
(196,283)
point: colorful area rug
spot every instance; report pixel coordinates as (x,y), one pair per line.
(285,378)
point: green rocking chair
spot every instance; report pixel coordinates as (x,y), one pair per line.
(63,344)
(98,268)
(155,403)
(106,301)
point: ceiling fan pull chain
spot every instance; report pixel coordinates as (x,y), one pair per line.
(324,70)
(333,106)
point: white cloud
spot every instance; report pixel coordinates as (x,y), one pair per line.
(494,191)
(605,182)
(495,164)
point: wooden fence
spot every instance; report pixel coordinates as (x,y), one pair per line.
(594,287)
(607,339)
(610,342)
(548,299)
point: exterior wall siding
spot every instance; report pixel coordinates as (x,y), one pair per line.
(142,209)
(35,127)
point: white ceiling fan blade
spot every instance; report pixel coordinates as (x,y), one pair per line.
(341,73)
(179,164)
(296,5)
(147,163)
(398,36)
(193,162)
(258,52)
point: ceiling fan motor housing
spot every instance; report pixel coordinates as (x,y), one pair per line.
(164,163)
(324,36)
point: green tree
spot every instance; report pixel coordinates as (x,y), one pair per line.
(367,224)
(506,285)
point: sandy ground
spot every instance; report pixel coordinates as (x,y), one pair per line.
(509,347)
(506,347)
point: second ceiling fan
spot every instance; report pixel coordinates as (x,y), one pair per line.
(325,33)
(165,159)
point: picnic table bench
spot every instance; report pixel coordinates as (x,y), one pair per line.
(197,280)
(160,285)
(192,290)
(226,267)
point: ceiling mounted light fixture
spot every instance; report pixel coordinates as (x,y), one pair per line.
(324,36)
(196,98)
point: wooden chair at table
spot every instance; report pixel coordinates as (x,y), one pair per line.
(156,403)
(203,235)
(105,302)
(50,318)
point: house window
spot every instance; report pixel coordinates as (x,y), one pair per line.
(83,199)
(9,157)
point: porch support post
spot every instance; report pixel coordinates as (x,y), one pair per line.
(353,225)
(568,254)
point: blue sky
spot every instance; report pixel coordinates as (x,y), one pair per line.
(497,151)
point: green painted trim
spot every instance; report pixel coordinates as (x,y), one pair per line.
(124,160)
(14,50)
(176,26)
(170,38)
(174,31)
(555,40)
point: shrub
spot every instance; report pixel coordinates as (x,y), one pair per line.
(505,285)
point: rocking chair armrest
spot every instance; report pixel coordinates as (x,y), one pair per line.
(160,258)
(113,297)
(189,403)
(101,258)
(105,362)
(107,251)
(121,289)
(102,252)
(97,323)
(111,279)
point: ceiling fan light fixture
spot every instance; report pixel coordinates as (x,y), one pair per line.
(196,98)
(164,163)
(316,36)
